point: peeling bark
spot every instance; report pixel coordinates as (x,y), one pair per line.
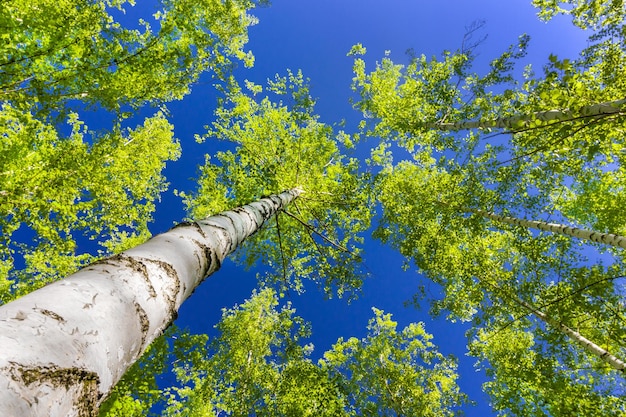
(64,346)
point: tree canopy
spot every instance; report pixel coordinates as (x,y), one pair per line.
(530,150)
(258,365)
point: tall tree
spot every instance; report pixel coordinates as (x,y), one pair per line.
(598,237)
(495,277)
(112,310)
(278,141)
(525,380)
(542,168)
(417,104)
(518,122)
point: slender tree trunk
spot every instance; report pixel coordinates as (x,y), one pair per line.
(587,344)
(522,121)
(599,237)
(64,346)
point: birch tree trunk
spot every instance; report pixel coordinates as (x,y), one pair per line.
(64,346)
(599,237)
(522,121)
(594,349)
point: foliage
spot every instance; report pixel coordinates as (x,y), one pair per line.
(280,146)
(57,52)
(257,366)
(568,169)
(408,102)
(526,379)
(586,14)
(58,180)
(390,373)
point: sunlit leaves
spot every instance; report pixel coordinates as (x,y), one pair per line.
(563,161)
(585,13)
(394,373)
(255,366)
(60,56)
(57,51)
(525,378)
(408,102)
(258,366)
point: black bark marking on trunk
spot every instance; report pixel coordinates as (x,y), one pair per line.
(195,225)
(85,382)
(252,215)
(232,245)
(209,256)
(175,288)
(225,233)
(131,263)
(51,314)
(265,207)
(144,322)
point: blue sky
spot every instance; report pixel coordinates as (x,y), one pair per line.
(315,36)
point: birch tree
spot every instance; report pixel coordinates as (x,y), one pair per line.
(276,141)
(606,238)
(525,121)
(521,369)
(112,310)
(516,158)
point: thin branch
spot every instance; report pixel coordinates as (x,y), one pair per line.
(312,229)
(282,253)
(320,224)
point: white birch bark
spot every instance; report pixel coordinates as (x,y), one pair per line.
(587,344)
(64,346)
(521,121)
(599,237)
